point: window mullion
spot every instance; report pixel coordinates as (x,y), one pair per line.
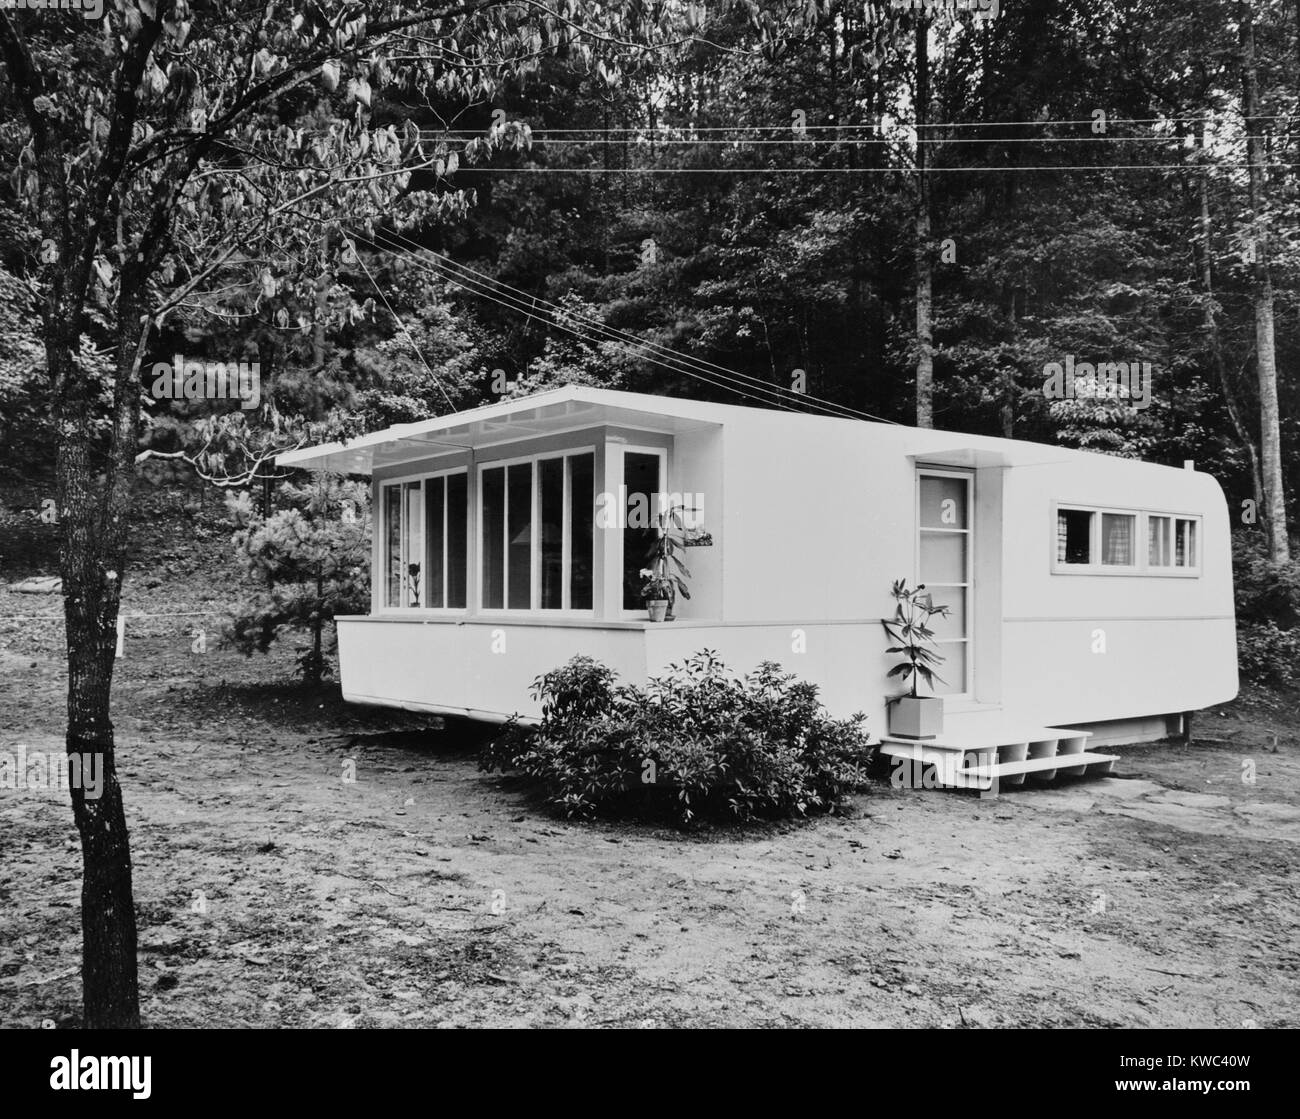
(566,541)
(505,537)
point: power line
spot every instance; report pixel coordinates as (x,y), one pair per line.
(785,126)
(864,170)
(885,140)
(717,381)
(625,337)
(704,371)
(379,291)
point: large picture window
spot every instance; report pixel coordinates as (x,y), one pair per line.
(538,545)
(425,542)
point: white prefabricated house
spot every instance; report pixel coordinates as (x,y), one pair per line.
(1091,596)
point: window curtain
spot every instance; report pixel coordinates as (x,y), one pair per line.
(1117,540)
(1158,541)
(1062,533)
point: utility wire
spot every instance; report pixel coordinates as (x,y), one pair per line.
(525,304)
(785,126)
(551,323)
(863,170)
(380,292)
(813,142)
(620,336)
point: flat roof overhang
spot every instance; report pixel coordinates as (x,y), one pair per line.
(973,456)
(569,409)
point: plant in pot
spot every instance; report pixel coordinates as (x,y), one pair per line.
(666,570)
(413,582)
(913,715)
(655,590)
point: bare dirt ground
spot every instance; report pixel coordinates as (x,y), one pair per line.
(272,892)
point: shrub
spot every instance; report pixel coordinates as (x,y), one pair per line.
(304,565)
(1268,613)
(1267,655)
(1264,591)
(697,743)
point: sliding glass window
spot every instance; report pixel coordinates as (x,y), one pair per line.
(446,520)
(425,556)
(538,550)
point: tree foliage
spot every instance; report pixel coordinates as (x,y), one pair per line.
(305,564)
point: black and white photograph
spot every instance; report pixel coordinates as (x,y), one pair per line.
(579,514)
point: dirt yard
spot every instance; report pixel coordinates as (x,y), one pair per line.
(273,892)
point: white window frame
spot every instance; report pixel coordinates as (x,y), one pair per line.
(967,476)
(446,523)
(1190,570)
(534,608)
(1141,565)
(423,478)
(621,451)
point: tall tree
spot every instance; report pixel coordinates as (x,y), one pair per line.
(924,254)
(1270,428)
(194,155)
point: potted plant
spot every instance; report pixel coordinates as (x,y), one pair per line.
(656,590)
(912,715)
(666,569)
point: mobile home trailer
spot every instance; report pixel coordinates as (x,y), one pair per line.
(1089,595)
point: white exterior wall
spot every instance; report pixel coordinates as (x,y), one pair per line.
(820,519)
(1170,641)
(695,466)
(485,669)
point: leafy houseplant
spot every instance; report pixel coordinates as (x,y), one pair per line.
(656,591)
(912,715)
(413,581)
(666,572)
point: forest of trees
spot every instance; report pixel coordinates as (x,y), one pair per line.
(752,202)
(397,210)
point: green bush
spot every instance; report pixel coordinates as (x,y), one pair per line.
(1267,655)
(696,744)
(304,565)
(1267,600)
(1264,591)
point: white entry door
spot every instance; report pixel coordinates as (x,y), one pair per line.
(945,564)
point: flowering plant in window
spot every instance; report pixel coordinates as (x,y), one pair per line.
(413,581)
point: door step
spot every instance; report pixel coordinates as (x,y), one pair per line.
(988,760)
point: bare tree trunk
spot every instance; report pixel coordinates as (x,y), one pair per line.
(1215,342)
(924,264)
(1270,434)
